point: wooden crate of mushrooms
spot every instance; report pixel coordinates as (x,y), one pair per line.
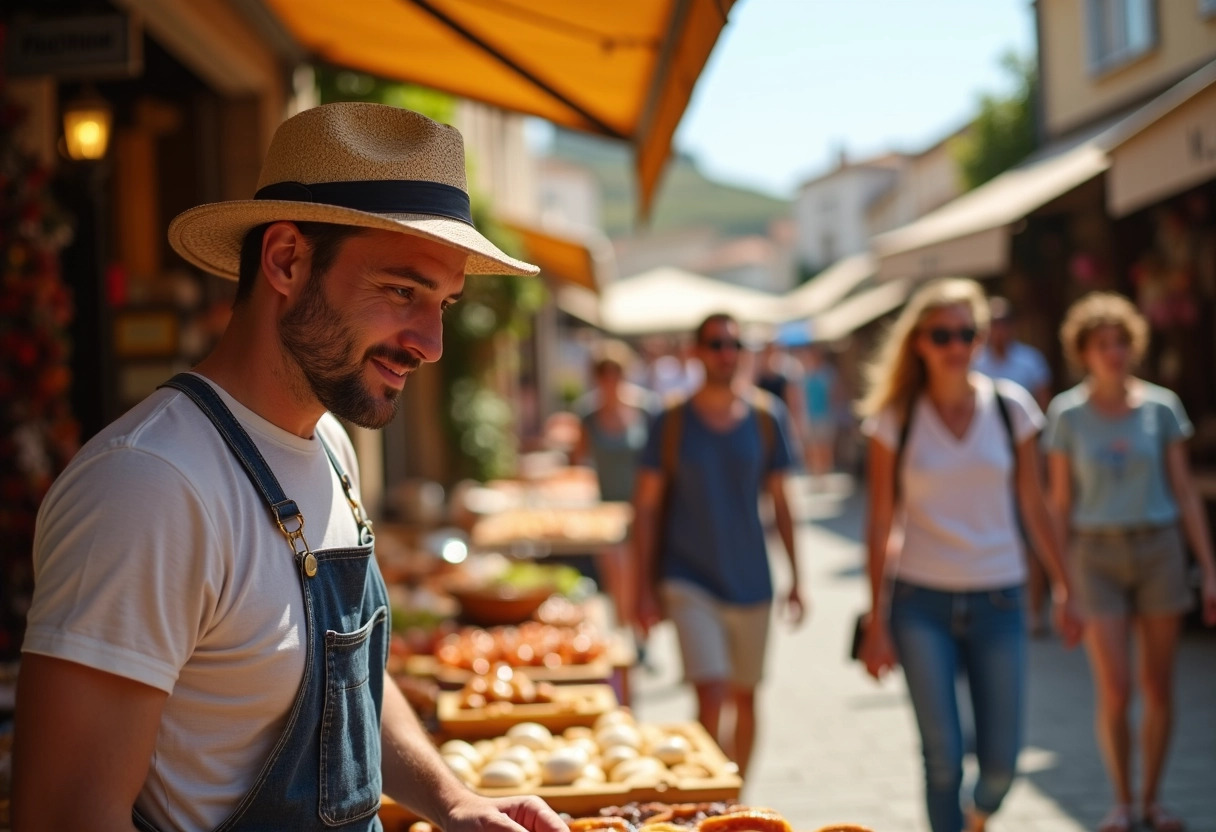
(585,768)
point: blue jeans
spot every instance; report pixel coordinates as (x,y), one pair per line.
(981,635)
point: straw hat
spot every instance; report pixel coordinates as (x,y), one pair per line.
(351,164)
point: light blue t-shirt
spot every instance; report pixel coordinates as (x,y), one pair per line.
(1022,364)
(712,535)
(1118,463)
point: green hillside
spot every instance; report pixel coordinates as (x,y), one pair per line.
(686,198)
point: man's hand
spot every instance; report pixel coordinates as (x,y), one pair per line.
(504,814)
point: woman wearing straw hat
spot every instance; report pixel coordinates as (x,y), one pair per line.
(951,452)
(207,639)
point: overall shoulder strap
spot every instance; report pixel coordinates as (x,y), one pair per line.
(242,446)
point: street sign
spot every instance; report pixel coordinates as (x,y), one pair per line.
(79,47)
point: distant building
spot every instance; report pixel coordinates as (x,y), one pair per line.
(837,213)
(568,190)
(831,212)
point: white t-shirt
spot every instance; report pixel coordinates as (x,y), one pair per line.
(156,559)
(957,500)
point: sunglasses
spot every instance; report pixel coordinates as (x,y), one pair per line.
(940,336)
(719,344)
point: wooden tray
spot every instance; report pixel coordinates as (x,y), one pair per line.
(599,670)
(576,705)
(723,783)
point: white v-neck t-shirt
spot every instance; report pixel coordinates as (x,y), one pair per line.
(957,507)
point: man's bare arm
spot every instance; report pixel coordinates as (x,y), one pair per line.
(416,776)
(82,746)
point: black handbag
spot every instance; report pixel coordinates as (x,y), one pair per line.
(859,634)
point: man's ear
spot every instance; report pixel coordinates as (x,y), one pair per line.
(285,257)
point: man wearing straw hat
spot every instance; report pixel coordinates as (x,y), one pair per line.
(207,639)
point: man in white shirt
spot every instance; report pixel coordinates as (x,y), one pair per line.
(1003,356)
(196,658)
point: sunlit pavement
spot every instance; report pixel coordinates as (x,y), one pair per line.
(836,746)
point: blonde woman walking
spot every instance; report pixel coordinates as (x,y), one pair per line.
(1120,488)
(949,450)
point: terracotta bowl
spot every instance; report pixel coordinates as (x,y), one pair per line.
(488,606)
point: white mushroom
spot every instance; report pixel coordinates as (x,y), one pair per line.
(502,774)
(672,749)
(532,734)
(638,770)
(615,755)
(463,749)
(563,766)
(619,734)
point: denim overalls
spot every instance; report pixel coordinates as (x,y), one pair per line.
(324,770)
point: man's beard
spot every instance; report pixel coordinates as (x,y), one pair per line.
(322,345)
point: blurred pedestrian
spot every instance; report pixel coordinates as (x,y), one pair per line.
(821,399)
(698,533)
(780,375)
(614,421)
(196,657)
(950,454)
(1003,356)
(1121,488)
(675,373)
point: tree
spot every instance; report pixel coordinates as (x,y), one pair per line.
(1003,133)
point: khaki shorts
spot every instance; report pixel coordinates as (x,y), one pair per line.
(1129,572)
(718,641)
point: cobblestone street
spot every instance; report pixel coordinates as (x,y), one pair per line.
(835,746)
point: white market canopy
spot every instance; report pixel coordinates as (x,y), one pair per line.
(669,300)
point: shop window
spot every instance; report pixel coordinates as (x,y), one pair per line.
(1121,31)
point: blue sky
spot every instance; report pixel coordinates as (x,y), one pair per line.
(792,80)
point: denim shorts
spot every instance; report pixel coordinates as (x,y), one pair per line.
(1126,572)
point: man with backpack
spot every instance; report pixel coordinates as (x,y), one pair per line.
(699,538)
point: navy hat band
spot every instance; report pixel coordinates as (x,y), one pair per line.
(378,196)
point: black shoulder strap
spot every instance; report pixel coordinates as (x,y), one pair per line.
(1002,407)
(669,440)
(905,428)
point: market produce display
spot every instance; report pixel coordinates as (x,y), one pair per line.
(612,761)
(682,817)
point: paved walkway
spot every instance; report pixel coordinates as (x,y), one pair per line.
(836,746)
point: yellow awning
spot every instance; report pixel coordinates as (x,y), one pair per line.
(580,258)
(624,69)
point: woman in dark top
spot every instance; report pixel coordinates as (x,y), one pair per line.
(615,420)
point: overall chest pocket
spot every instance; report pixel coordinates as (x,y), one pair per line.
(350,726)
